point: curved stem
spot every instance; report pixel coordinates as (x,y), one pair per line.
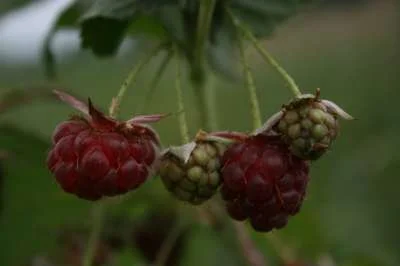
(98,213)
(181,106)
(286,253)
(204,19)
(255,106)
(206,102)
(156,80)
(204,95)
(266,55)
(168,244)
(211,103)
(131,78)
(252,254)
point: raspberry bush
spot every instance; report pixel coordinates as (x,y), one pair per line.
(262,175)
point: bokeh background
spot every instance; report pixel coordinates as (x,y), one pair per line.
(349,49)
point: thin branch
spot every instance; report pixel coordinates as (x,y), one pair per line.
(286,253)
(255,106)
(204,19)
(266,55)
(181,106)
(132,78)
(94,237)
(205,96)
(156,80)
(253,256)
(168,244)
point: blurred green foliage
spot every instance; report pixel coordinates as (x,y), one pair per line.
(352,211)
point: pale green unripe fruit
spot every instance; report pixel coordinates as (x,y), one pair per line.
(197,179)
(308,127)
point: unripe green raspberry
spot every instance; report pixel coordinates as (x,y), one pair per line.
(192,172)
(308,125)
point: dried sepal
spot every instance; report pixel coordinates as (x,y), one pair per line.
(182,152)
(135,126)
(72,101)
(269,124)
(334,108)
(140,119)
(224,137)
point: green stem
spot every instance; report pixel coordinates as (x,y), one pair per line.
(181,106)
(203,93)
(204,19)
(255,106)
(206,102)
(168,244)
(156,80)
(94,237)
(131,78)
(211,103)
(266,55)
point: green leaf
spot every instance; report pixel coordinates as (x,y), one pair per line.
(67,18)
(222,51)
(107,22)
(263,15)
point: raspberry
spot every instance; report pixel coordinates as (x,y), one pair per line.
(196,178)
(192,172)
(308,125)
(263,182)
(95,156)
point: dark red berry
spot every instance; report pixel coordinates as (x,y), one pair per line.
(95,156)
(263,182)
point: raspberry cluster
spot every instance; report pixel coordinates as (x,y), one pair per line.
(262,177)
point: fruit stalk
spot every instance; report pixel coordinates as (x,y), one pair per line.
(250,251)
(206,102)
(168,244)
(181,106)
(94,237)
(255,106)
(204,18)
(266,55)
(204,93)
(131,78)
(156,80)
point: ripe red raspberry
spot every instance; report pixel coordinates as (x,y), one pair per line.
(263,182)
(95,156)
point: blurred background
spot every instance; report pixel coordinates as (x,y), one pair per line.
(348,48)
